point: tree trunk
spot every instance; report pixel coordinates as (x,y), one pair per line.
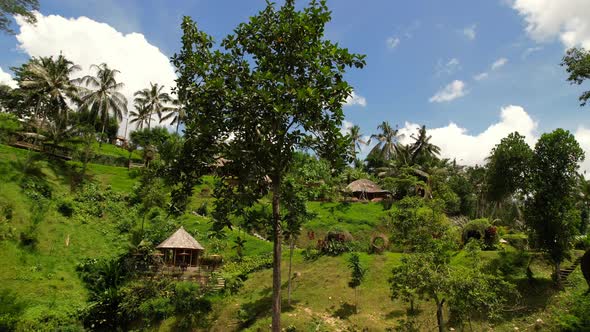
(276,270)
(177,123)
(439,315)
(291,247)
(557,276)
(102,133)
(150,121)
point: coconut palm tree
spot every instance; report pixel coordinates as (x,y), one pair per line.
(422,146)
(388,145)
(155,100)
(177,113)
(140,115)
(103,99)
(46,83)
(356,139)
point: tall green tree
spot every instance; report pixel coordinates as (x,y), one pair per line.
(48,87)
(276,86)
(177,113)
(388,142)
(23,8)
(508,168)
(577,63)
(140,115)
(155,100)
(422,149)
(357,140)
(550,212)
(103,99)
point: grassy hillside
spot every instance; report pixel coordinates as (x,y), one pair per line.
(42,243)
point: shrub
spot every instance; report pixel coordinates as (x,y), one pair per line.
(577,316)
(519,241)
(482,230)
(35,187)
(582,242)
(203,210)
(10,310)
(66,208)
(29,237)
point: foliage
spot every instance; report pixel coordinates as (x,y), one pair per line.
(508,167)
(10,310)
(9,124)
(288,97)
(577,63)
(150,136)
(103,99)
(357,274)
(481,230)
(154,100)
(550,212)
(24,8)
(577,317)
(472,293)
(388,142)
(414,223)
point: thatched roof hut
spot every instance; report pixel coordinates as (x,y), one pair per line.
(366,189)
(181,249)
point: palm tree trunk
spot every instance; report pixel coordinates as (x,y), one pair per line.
(150,120)
(276,269)
(439,315)
(177,123)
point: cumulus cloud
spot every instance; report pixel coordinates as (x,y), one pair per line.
(86,42)
(392,42)
(470,32)
(499,63)
(355,99)
(472,149)
(452,91)
(6,79)
(346,125)
(547,20)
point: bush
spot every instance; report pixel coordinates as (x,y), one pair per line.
(203,210)
(66,208)
(35,187)
(519,241)
(577,316)
(9,124)
(29,237)
(582,242)
(482,230)
(10,310)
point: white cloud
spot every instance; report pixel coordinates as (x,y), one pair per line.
(392,42)
(499,63)
(455,141)
(470,32)
(481,76)
(86,42)
(355,99)
(6,79)
(453,90)
(449,68)
(547,20)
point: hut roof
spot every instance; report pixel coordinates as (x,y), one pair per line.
(181,239)
(364,185)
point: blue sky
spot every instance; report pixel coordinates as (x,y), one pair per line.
(414,50)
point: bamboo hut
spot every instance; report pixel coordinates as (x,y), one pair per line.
(364,189)
(181,249)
